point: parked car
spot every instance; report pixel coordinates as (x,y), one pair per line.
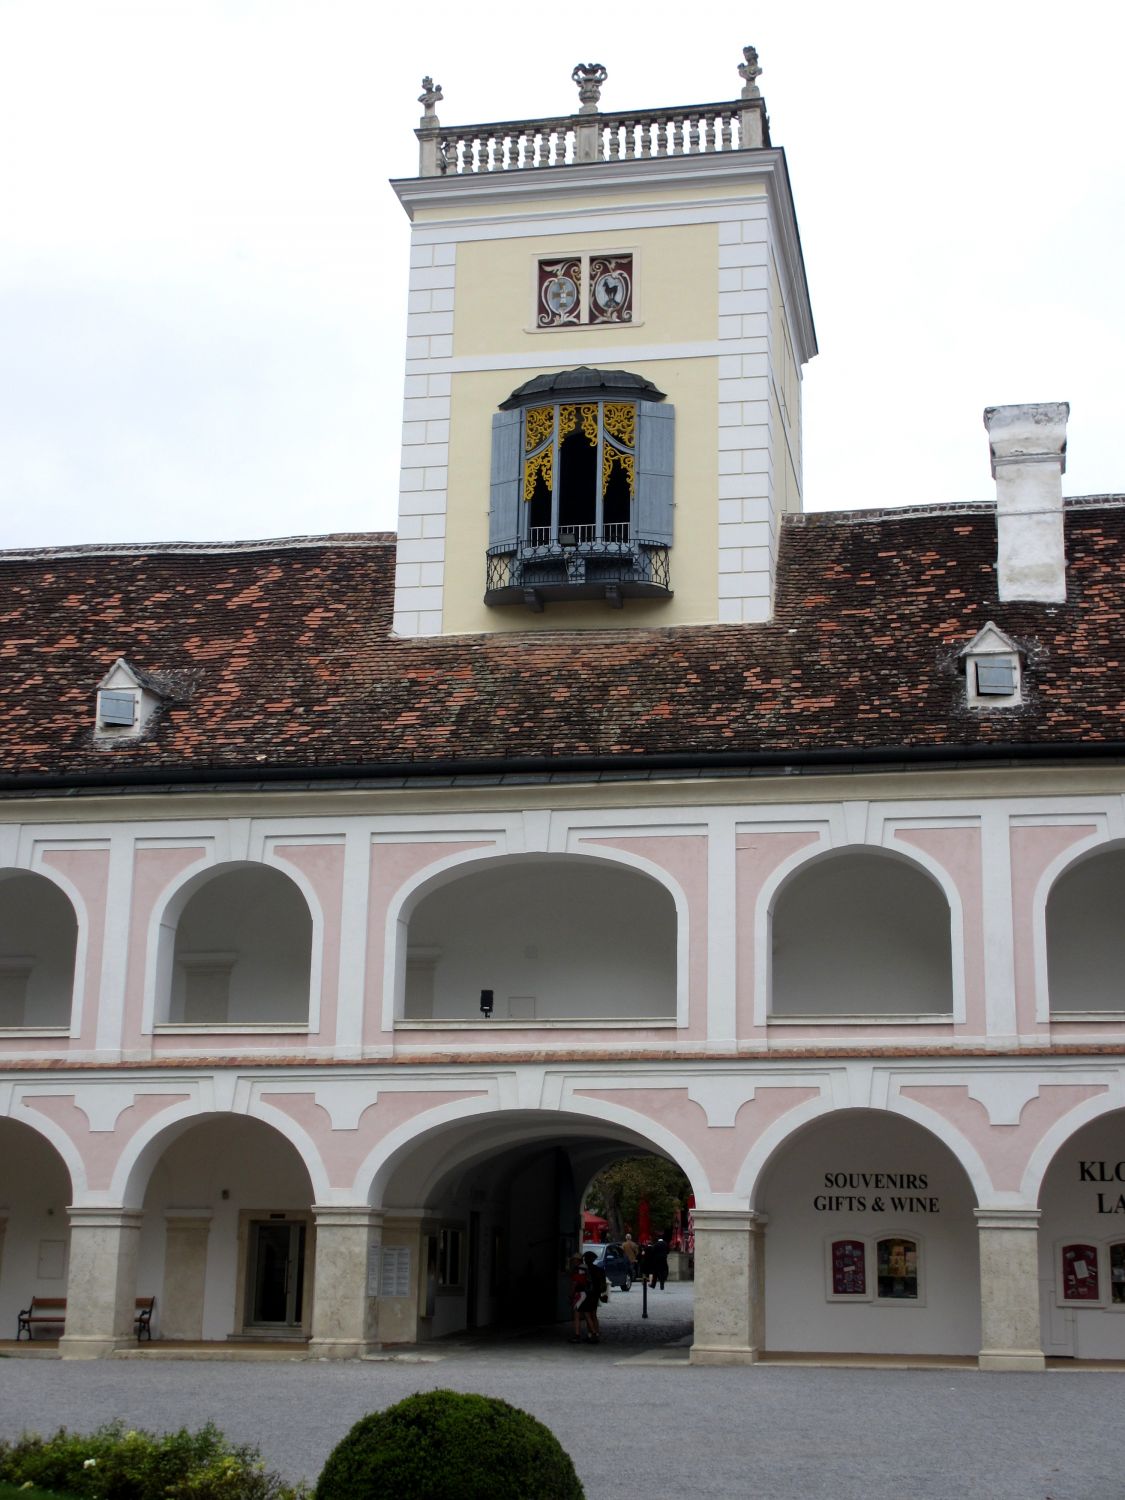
(615,1263)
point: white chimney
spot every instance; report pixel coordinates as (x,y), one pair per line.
(1028,447)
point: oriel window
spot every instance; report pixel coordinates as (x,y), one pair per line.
(579,470)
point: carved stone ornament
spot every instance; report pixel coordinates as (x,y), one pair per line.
(749,72)
(589,77)
(431,94)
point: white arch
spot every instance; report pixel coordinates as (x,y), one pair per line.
(387,1156)
(1039,1162)
(783,1131)
(53,1133)
(790,870)
(1095,843)
(134,1168)
(445,871)
(164,919)
(82,933)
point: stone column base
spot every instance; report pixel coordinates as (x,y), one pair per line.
(1011,1359)
(699,1356)
(345,1322)
(729,1287)
(84,1346)
(329,1348)
(102,1281)
(1009,1289)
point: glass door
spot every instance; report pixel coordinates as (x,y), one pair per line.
(276,1266)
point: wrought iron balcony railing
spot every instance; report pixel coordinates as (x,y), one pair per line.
(597,569)
(577,536)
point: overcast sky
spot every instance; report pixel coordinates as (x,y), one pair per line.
(202,268)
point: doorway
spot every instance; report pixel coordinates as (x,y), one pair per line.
(275,1266)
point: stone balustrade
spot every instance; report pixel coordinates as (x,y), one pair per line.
(566,140)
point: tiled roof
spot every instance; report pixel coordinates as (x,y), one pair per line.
(281,658)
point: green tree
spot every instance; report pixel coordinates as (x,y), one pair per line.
(617,1190)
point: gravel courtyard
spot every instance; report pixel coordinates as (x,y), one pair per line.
(638,1420)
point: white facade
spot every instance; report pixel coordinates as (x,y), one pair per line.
(873,1012)
(411,1125)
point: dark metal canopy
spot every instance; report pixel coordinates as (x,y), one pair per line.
(583,384)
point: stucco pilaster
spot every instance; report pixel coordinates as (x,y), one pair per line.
(729,1287)
(101,1285)
(1009,1289)
(179,1313)
(345,1320)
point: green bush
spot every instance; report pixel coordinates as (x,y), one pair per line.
(447,1446)
(26,1492)
(114,1464)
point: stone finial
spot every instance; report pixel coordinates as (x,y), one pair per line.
(589,77)
(749,72)
(431,94)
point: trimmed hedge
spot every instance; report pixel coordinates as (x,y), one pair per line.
(445,1445)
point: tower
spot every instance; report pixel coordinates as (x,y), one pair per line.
(608,322)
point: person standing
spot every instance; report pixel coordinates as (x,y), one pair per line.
(630,1250)
(595,1289)
(658,1263)
(578,1287)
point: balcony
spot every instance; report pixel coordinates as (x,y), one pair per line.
(578,562)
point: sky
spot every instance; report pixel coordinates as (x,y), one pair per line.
(203,268)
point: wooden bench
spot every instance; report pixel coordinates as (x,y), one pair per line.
(142,1323)
(42,1310)
(52,1310)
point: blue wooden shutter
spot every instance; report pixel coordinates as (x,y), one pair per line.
(656,452)
(505,522)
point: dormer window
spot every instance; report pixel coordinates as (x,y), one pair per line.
(582,470)
(991,663)
(126,700)
(117,708)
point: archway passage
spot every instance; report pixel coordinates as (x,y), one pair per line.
(38,939)
(1082,1244)
(35,1189)
(860,933)
(552,938)
(871,1245)
(490,1211)
(1086,937)
(227,1243)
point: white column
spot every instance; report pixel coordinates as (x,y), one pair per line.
(722,933)
(101,1285)
(1000,1018)
(348,1041)
(115,948)
(1009,1289)
(345,1321)
(729,1287)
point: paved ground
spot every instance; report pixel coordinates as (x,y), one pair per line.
(639,1421)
